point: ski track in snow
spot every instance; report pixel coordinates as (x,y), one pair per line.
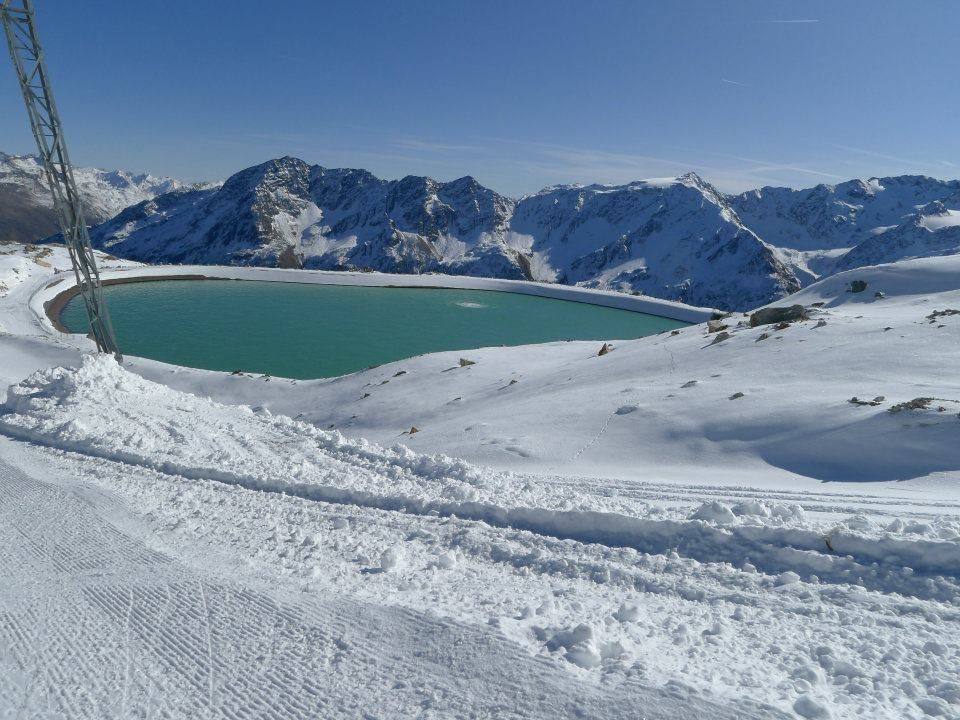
(101,626)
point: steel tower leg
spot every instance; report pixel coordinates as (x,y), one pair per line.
(21,31)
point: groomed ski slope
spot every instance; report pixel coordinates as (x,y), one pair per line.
(621,539)
(95,623)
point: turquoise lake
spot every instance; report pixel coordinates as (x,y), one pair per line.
(314,331)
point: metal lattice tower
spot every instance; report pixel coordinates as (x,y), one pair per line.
(21,31)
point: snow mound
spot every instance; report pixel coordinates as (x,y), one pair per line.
(716,512)
(101,409)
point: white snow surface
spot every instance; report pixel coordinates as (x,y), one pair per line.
(607,536)
(950,218)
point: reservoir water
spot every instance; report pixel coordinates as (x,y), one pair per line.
(313,331)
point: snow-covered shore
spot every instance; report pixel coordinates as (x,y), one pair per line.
(686,526)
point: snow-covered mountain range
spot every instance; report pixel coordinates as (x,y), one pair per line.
(836,216)
(829,228)
(26,208)
(674,238)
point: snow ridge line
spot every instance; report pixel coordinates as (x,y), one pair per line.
(885,565)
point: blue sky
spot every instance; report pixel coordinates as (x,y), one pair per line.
(520,94)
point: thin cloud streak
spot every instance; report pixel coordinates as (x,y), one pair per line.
(552,164)
(758,165)
(871,153)
(416,144)
(788,22)
(796,169)
(733,82)
(590,166)
(895,165)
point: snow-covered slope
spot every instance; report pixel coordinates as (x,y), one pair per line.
(614,415)
(26,208)
(674,239)
(830,228)
(933,229)
(411,225)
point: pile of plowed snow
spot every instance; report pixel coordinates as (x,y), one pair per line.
(102,410)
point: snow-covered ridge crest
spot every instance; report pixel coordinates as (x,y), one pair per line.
(673,240)
(933,229)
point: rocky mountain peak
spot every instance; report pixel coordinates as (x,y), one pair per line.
(286,172)
(933,208)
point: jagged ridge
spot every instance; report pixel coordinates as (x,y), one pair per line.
(287,213)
